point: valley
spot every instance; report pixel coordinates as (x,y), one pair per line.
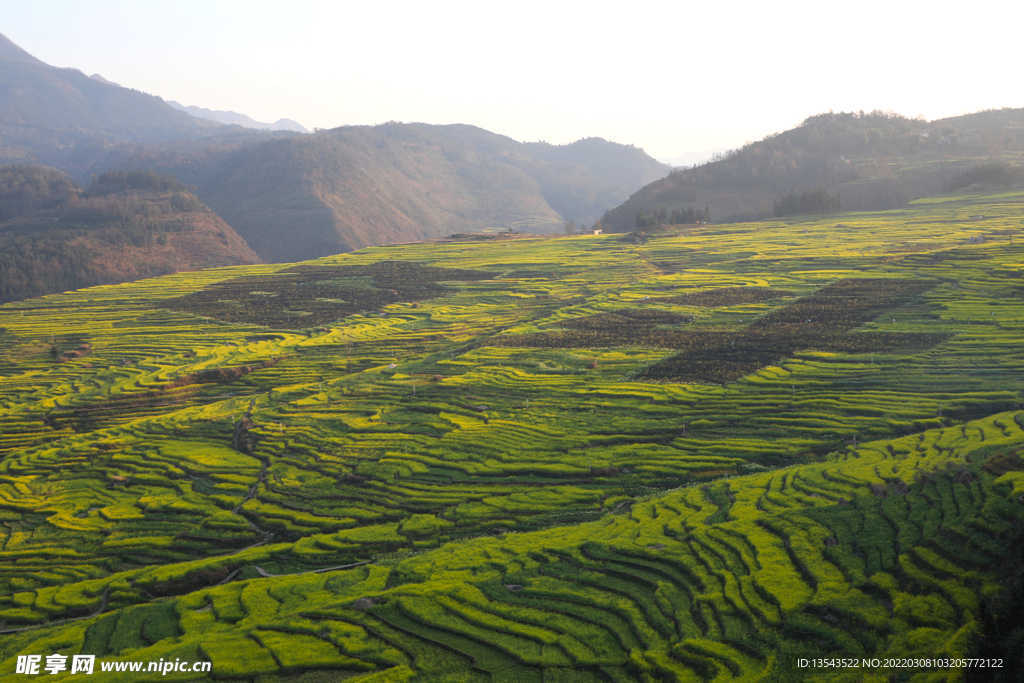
(424,403)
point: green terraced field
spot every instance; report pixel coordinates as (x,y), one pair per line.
(567,459)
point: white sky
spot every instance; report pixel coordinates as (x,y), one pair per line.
(668,76)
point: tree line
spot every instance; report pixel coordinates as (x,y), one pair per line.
(43,250)
(122,181)
(815,201)
(995,174)
(662,216)
(31,188)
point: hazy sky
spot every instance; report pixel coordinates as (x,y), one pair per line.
(670,77)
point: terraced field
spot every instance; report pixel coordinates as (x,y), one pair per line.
(572,459)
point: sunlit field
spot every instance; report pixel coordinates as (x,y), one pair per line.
(577,459)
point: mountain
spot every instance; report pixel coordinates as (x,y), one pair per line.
(129,225)
(873,161)
(61,117)
(97,77)
(234,118)
(11,52)
(293,196)
(624,165)
(359,186)
(299,197)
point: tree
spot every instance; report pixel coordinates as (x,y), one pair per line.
(808,202)
(646,220)
(570,227)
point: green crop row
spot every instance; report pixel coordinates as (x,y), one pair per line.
(179,450)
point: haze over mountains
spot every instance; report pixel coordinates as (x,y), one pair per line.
(873,161)
(233,117)
(293,196)
(758,431)
(301,197)
(63,118)
(10,51)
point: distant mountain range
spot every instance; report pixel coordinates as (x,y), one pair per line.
(292,196)
(63,118)
(10,51)
(624,165)
(234,118)
(97,77)
(873,161)
(300,197)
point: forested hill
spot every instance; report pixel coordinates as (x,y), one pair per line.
(623,164)
(62,117)
(300,197)
(127,225)
(873,161)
